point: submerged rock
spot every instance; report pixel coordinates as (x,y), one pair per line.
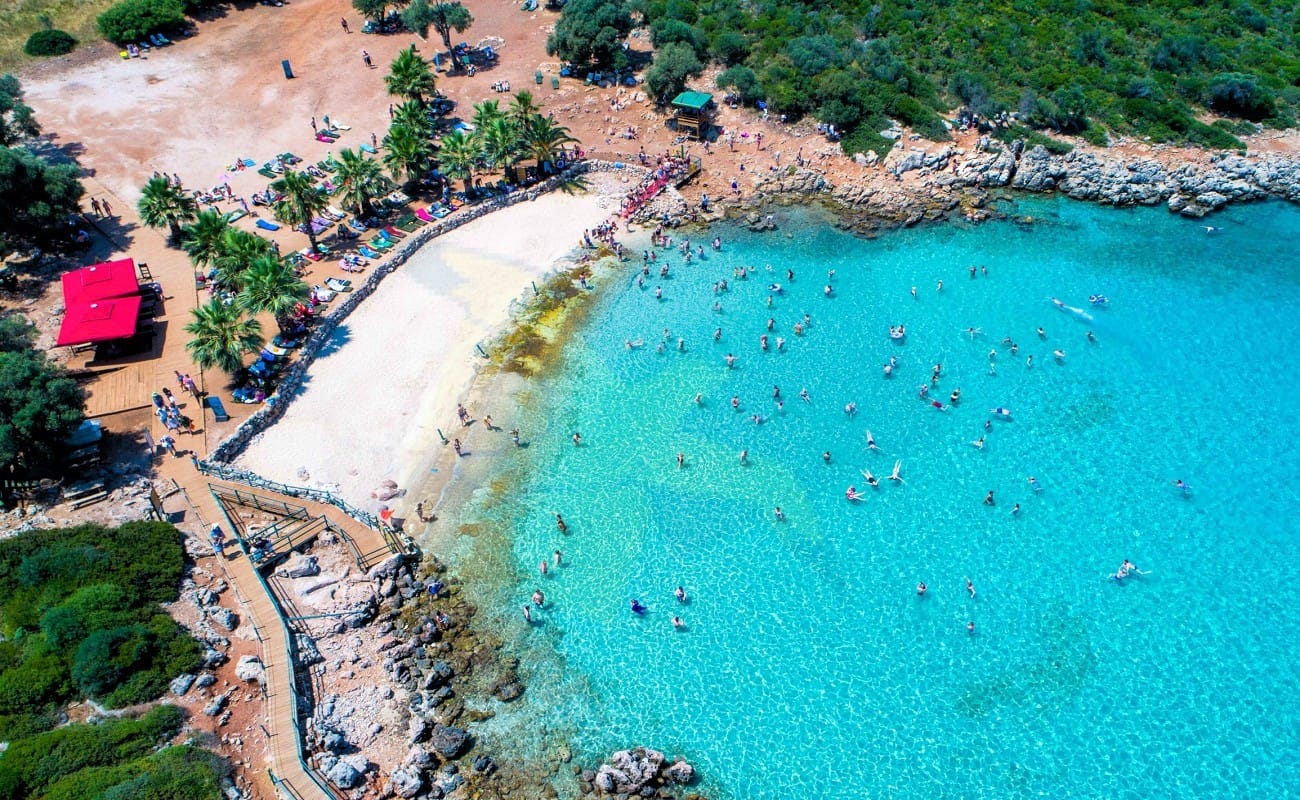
(449,741)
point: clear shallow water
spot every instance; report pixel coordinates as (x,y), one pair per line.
(810,668)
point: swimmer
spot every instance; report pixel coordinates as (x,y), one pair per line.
(955,396)
(851,493)
(678,622)
(1029,362)
(993,368)
(1091,337)
(557,558)
(871,441)
(717,334)
(560,523)
(1059,355)
(776,392)
(851,408)
(528,614)
(1182,486)
(780,406)
(972,272)
(798,329)
(543,566)
(803,395)
(779,514)
(988,498)
(744,458)
(979,443)
(539,599)
(921,589)
(923,391)
(698,398)
(659,293)
(680,594)
(970,587)
(757,419)
(637,608)
(993,355)
(735,402)
(1015,348)
(731,361)
(970,628)
(973,332)
(780,343)
(826,457)
(771,323)
(939,286)
(1033,484)
(762,342)
(830,275)
(1041,334)
(681,460)
(717,308)
(894,476)
(984,270)
(914,297)
(1210,229)
(577,439)
(871,479)
(681,345)
(828,291)
(1015,510)
(988,424)
(938,406)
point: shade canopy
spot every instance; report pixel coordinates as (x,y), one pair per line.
(692,101)
(110,279)
(100,321)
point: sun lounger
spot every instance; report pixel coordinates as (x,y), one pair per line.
(322,294)
(306,252)
(267,226)
(162,39)
(392,232)
(266,172)
(335,125)
(339,284)
(368,149)
(144,45)
(368,253)
(218,410)
(335,212)
(380,243)
(237,214)
(423,213)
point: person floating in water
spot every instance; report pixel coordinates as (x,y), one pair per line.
(988,498)
(871,441)
(803,395)
(979,443)
(1015,510)
(826,456)
(871,479)
(970,588)
(1033,484)
(681,460)
(560,524)
(539,599)
(852,494)
(1182,486)
(680,594)
(779,514)
(528,614)
(679,623)
(637,608)
(1091,337)
(895,476)
(921,589)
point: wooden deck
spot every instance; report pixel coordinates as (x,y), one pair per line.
(124,389)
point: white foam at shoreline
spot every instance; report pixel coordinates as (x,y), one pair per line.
(372,402)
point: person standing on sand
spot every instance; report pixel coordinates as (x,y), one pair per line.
(344,22)
(313,124)
(365,57)
(94,206)
(108,210)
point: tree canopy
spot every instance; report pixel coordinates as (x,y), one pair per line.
(40,404)
(1086,68)
(36,195)
(590,33)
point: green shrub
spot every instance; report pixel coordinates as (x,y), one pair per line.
(866,139)
(133,20)
(51,42)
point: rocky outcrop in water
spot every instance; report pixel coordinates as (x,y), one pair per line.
(640,772)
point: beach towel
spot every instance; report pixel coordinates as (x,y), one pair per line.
(368,149)
(248,162)
(391,232)
(380,243)
(423,213)
(267,226)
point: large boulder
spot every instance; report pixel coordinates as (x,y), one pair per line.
(182,683)
(407,783)
(300,566)
(449,741)
(679,772)
(344,775)
(250,668)
(224,618)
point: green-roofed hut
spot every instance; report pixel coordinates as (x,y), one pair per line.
(691,113)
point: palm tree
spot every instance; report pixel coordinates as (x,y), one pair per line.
(414,117)
(459,155)
(302,201)
(237,250)
(522,108)
(542,139)
(487,111)
(409,76)
(406,153)
(360,180)
(270,287)
(201,239)
(220,335)
(500,142)
(161,204)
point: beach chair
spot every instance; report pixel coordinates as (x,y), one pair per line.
(423,213)
(306,252)
(267,226)
(392,232)
(368,253)
(339,284)
(380,243)
(237,214)
(365,148)
(218,410)
(409,223)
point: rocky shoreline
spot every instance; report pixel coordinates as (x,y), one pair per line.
(913,185)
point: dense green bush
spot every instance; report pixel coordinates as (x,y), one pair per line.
(133,20)
(49,42)
(590,33)
(40,404)
(1060,65)
(674,63)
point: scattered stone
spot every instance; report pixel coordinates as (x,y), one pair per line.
(407,783)
(214,708)
(224,618)
(343,775)
(417,730)
(205,680)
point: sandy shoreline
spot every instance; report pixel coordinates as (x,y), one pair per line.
(397,365)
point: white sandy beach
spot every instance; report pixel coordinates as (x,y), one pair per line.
(370,409)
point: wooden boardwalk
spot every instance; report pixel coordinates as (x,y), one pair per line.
(125,389)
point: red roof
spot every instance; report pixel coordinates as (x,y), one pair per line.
(110,279)
(100,321)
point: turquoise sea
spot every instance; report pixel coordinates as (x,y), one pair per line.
(809,667)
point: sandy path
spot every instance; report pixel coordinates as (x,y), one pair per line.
(370,409)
